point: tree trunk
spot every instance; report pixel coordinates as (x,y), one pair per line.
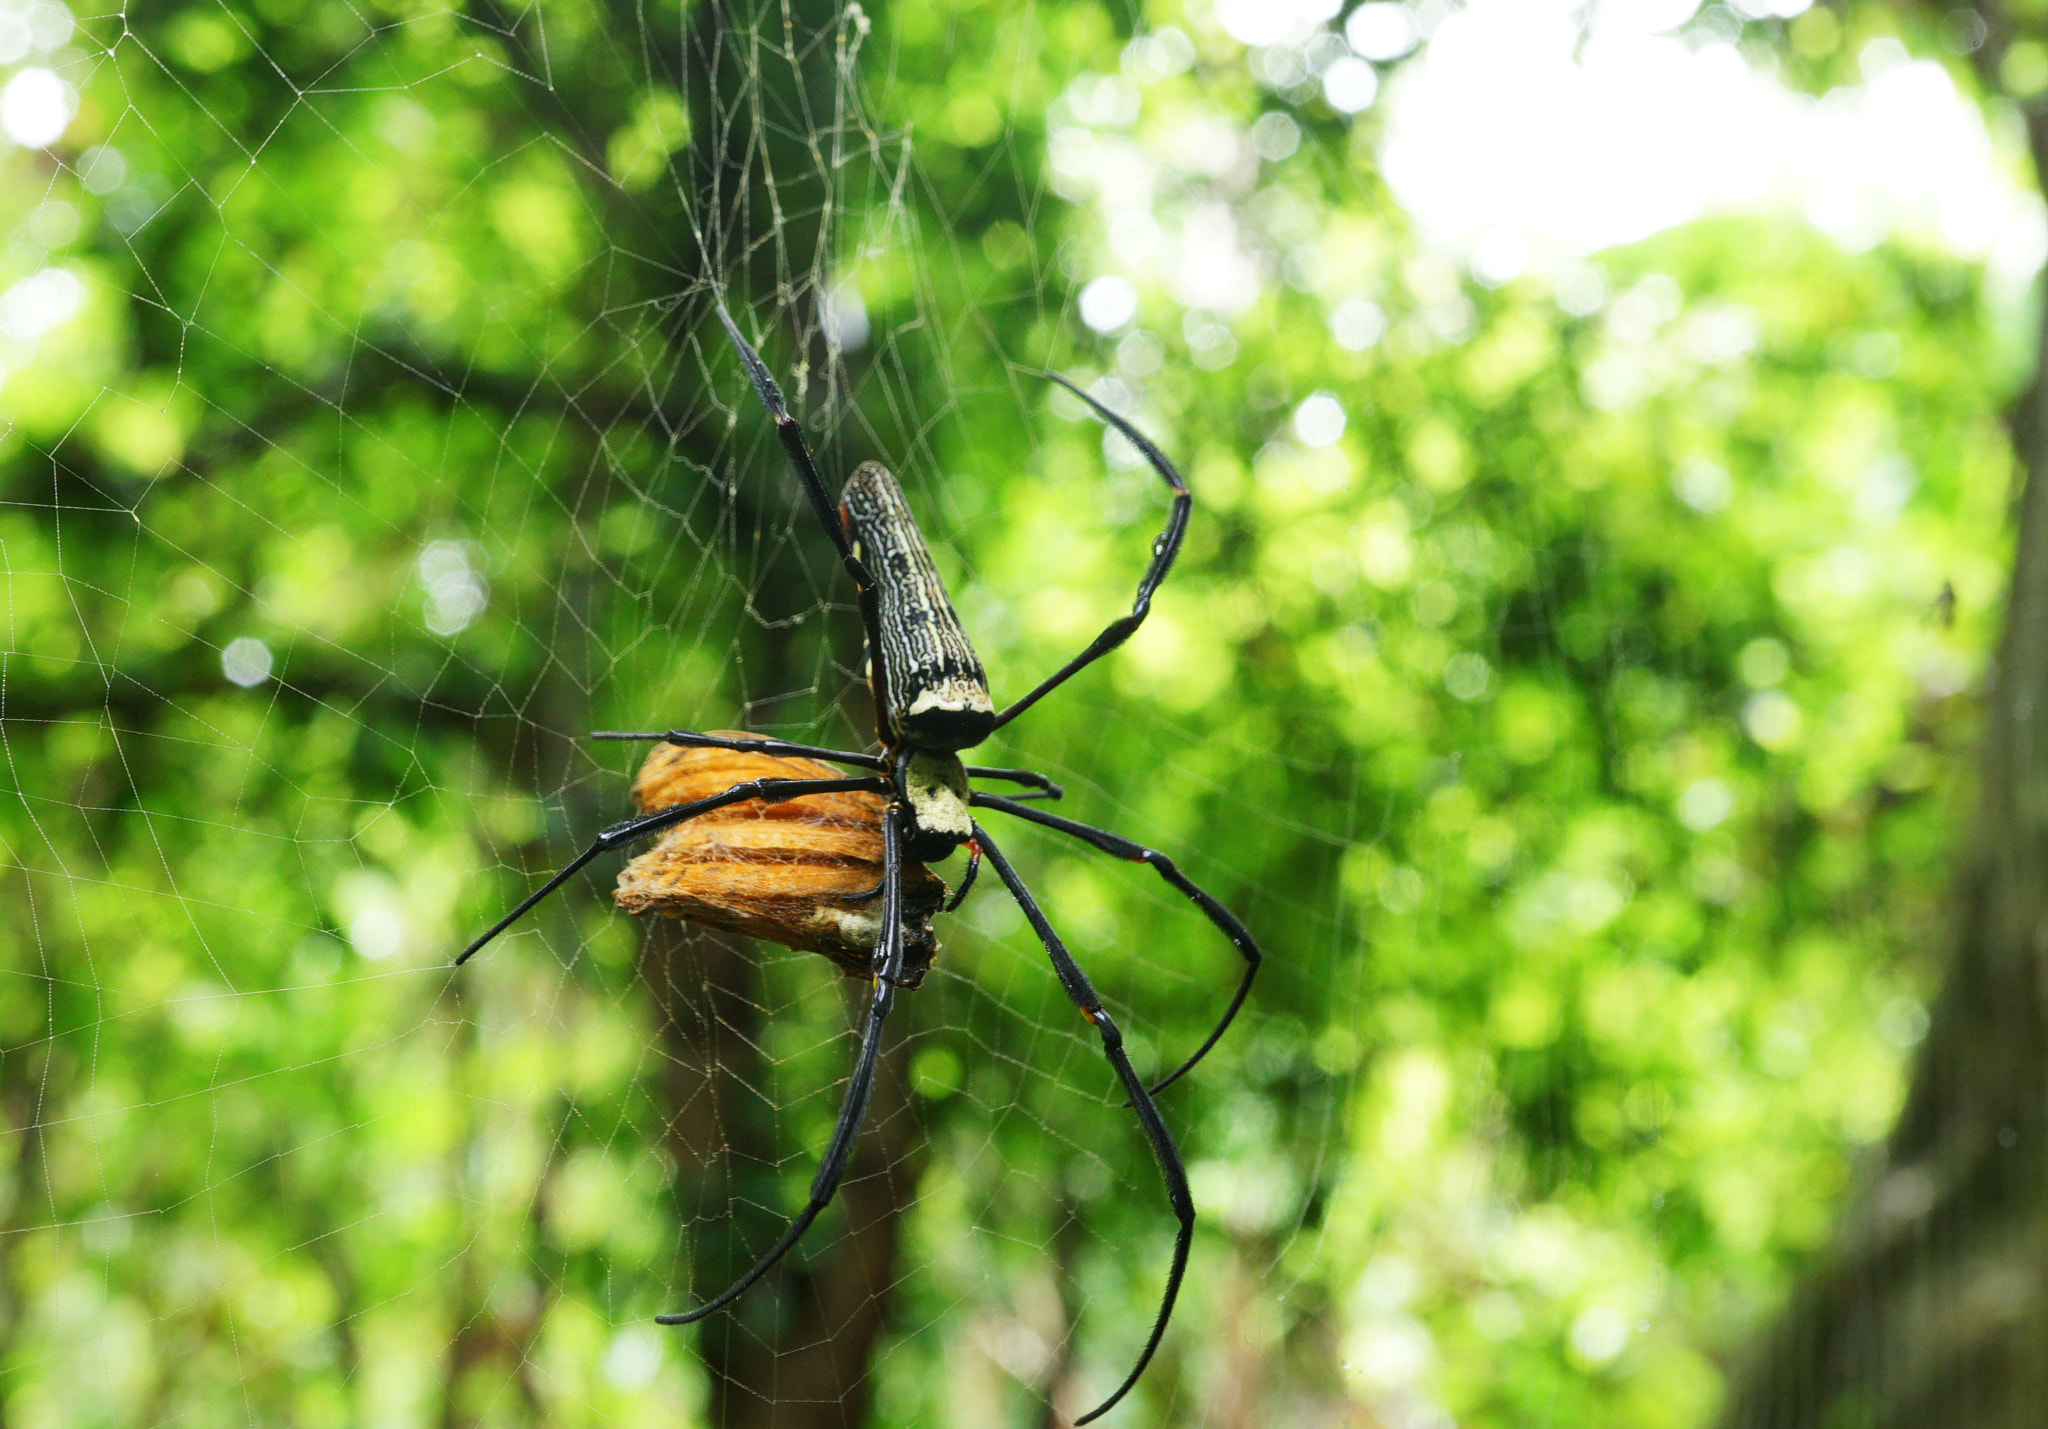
(823,1309)
(1932,1308)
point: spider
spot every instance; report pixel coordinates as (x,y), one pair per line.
(931,702)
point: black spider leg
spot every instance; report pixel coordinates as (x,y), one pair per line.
(853,1111)
(1226,921)
(1164,549)
(1083,995)
(966,879)
(1042,787)
(781,748)
(774,791)
(952,904)
(792,438)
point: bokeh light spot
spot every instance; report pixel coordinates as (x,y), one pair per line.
(1357,324)
(36,107)
(1350,85)
(1108,303)
(246,661)
(1380,30)
(1319,420)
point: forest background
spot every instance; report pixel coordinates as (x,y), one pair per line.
(1578,676)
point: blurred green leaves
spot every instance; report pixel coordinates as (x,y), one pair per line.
(1569,681)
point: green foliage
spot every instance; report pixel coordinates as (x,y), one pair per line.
(1582,731)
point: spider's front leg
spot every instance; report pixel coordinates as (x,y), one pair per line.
(792,438)
(1041,787)
(632,830)
(1164,548)
(740,743)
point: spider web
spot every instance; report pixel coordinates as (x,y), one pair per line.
(371,443)
(489,488)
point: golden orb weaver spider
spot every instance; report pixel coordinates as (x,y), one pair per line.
(931,702)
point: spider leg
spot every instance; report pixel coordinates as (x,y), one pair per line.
(792,438)
(1164,549)
(853,1111)
(1041,787)
(1083,995)
(830,517)
(1226,921)
(773,791)
(690,739)
(952,905)
(966,879)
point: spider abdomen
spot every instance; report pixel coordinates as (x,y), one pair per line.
(931,686)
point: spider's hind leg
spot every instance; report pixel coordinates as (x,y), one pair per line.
(1164,1151)
(854,1109)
